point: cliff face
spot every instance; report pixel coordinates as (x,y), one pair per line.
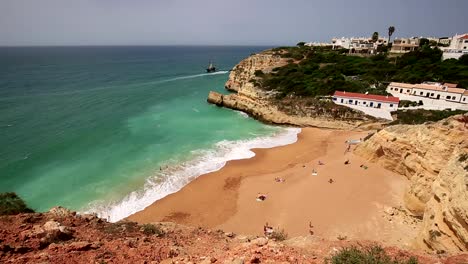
(261,104)
(434,158)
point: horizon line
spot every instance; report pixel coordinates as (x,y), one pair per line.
(143,45)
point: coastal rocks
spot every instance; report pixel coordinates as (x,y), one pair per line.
(60,212)
(215,98)
(248,97)
(433,157)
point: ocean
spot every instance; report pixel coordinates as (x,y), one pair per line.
(110,130)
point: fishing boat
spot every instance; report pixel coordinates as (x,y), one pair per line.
(211,68)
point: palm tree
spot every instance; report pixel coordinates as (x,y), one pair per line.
(391,29)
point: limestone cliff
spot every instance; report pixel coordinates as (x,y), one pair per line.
(248,97)
(434,157)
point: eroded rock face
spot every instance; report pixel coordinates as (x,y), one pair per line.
(261,104)
(434,158)
(242,74)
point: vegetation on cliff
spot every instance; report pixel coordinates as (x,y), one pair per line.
(320,71)
(11,204)
(373,254)
(420,116)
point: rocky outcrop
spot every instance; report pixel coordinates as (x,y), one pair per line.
(248,97)
(240,77)
(433,156)
(269,113)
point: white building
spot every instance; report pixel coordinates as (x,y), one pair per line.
(447,91)
(386,102)
(457,48)
(464,97)
(359,44)
(404,45)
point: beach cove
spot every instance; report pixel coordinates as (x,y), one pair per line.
(347,201)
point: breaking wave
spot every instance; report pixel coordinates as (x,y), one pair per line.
(173,178)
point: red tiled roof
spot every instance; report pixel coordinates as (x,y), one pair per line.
(464,37)
(381,98)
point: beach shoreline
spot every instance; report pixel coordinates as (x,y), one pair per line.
(340,201)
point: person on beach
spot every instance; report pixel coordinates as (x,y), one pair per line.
(261,197)
(348,148)
(320,163)
(346,162)
(311,229)
(331,181)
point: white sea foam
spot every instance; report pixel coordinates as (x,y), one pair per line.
(192,76)
(245,115)
(171,180)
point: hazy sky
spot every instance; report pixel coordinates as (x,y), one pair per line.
(237,22)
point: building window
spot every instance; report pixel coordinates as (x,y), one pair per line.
(350,101)
(421,93)
(432,94)
(391,105)
(407,91)
(448,97)
(463,99)
(341,100)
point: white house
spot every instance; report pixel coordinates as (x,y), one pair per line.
(403,88)
(386,102)
(457,48)
(464,99)
(433,90)
(359,44)
(404,45)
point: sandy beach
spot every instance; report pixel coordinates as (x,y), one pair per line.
(341,200)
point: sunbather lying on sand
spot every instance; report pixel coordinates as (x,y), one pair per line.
(261,197)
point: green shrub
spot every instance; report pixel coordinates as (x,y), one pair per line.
(11,204)
(321,71)
(420,116)
(150,229)
(259,73)
(369,255)
(406,103)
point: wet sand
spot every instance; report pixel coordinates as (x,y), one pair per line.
(352,206)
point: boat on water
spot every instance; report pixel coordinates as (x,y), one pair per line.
(211,68)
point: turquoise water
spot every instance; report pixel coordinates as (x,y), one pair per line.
(112,129)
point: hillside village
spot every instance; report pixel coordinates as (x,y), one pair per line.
(427,95)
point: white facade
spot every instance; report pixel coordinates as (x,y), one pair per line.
(358,43)
(364,100)
(430,90)
(457,48)
(404,45)
(464,98)
(402,88)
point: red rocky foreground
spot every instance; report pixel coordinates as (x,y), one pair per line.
(61,236)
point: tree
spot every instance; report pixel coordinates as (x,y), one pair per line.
(391,30)
(300,44)
(463,60)
(423,42)
(375,36)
